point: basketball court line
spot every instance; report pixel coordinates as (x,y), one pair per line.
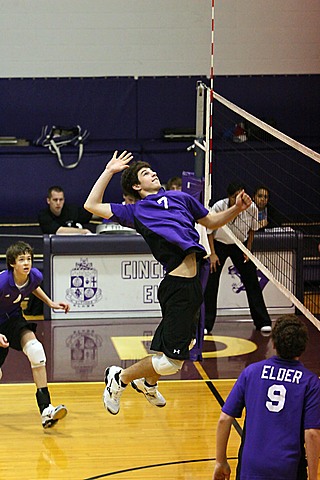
(156,465)
(215,392)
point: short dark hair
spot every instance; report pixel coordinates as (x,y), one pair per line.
(290,336)
(16,249)
(174,181)
(129,177)
(54,188)
(261,187)
(234,187)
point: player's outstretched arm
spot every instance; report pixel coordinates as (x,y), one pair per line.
(94,203)
(39,293)
(215,220)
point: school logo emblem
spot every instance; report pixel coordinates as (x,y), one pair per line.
(237,285)
(84,290)
(84,346)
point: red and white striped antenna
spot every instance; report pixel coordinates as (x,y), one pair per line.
(209,118)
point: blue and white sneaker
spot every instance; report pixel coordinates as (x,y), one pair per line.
(152,394)
(51,415)
(113,391)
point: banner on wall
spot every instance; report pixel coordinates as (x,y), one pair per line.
(107,286)
(122,286)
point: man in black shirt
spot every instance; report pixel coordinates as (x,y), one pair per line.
(62,218)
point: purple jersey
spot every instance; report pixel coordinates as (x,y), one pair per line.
(282,399)
(166,221)
(11,296)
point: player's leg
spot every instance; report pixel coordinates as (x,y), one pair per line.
(143,377)
(116,380)
(180,300)
(148,385)
(34,350)
(3,355)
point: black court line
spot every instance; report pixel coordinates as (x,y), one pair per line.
(221,403)
(156,465)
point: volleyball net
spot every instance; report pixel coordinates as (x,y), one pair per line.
(239,147)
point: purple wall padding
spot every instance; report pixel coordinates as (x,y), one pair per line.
(104,106)
(127,113)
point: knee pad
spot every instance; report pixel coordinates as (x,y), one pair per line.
(164,365)
(35,352)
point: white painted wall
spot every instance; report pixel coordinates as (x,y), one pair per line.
(267,37)
(41,38)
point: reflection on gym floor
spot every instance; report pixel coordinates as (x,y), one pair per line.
(79,350)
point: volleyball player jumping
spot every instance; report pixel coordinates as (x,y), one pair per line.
(166,220)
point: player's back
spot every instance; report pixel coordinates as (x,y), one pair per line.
(276,395)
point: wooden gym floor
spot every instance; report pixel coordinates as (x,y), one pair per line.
(142,442)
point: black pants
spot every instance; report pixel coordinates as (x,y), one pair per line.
(249,279)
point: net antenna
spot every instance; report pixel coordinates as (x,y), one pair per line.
(291,170)
(202,145)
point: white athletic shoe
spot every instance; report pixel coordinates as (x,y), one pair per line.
(51,415)
(152,394)
(266,329)
(113,391)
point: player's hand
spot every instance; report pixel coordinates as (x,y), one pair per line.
(3,341)
(243,200)
(222,471)
(118,163)
(214,262)
(61,306)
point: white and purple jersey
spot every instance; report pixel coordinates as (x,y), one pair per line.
(11,296)
(282,399)
(166,221)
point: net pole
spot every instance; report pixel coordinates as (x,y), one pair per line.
(198,148)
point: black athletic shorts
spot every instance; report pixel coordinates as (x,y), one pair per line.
(180,300)
(12,330)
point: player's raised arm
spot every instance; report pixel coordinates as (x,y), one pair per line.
(215,220)
(94,203)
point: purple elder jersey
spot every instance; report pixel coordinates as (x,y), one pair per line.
(166,221)
(11,296)
(282,399)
